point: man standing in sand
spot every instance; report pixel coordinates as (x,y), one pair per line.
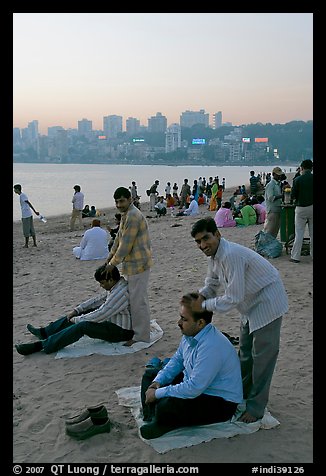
(77,208)
(132,249)
(273,200)
(27,215)
(253,286)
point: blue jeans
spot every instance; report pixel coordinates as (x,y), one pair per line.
(62,332)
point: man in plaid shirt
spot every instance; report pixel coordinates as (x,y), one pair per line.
(132,249)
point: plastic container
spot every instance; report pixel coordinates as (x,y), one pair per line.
(42,218)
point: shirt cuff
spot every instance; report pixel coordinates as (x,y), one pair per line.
(203,305)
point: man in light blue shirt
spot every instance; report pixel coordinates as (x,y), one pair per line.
(201,384)
(253,286)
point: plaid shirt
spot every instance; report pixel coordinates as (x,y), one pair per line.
(132,245)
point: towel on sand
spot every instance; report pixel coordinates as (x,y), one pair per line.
(88,346)
(192,435)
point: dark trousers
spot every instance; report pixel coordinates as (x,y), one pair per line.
(62,332)
(178,412)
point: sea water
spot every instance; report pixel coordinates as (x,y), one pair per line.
(49,187)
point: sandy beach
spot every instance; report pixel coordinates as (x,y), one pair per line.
(48,281)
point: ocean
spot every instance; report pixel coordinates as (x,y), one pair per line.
(49,187)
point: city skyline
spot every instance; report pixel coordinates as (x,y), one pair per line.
(254,67)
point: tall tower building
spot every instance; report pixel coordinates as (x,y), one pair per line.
(112,125)
(173,138)
(217,120)
(157,123)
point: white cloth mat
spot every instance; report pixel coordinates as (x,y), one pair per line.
(192,435)
(88,346)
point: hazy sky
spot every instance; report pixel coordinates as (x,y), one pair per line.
(254,67)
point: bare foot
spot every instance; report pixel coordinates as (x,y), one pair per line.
(246,417)
(129,343)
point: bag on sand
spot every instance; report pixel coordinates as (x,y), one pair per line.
(267,246)
(148,192)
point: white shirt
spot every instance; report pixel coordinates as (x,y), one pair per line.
(192,209)
(251,284)
(78,201)
(94,244)
(26,209)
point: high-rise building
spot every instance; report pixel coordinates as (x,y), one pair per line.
(112,125)
(52,131)
(217,118)
(172,138)
(132,126)
(85,127)
(190,118)
(157,123)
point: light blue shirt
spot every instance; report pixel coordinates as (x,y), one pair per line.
(210,365)
(250,282)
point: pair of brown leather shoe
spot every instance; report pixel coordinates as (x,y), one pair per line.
(91,421)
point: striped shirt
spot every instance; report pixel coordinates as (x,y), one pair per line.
(251,284)
(112,306)
(132,245)
(210,365)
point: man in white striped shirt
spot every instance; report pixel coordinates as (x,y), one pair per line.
(254,287)
(105,317)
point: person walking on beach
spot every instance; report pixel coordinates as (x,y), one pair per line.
(200,384)
(153,193)
(185,192)
(253,286)
(105,317)
(132,249)
(302,196)
(77,208)
(27,215)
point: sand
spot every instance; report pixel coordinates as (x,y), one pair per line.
(49,281)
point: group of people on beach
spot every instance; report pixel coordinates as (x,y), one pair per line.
(206,379)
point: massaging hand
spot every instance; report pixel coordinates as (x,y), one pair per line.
(196,305)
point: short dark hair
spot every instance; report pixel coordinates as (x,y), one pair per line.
(187,300)
(306,164)
(77,188)
(17,186)
(204,224)
(121,192)
(101,274)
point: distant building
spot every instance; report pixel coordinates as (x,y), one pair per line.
(217,120)
(157,123)
(172,138)
(190,118)
(52,131)
(85,127)
(112,126)
(132,126)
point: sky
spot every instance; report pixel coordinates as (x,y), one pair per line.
(254,67)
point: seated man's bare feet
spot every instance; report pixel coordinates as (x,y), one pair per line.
(129,343)
(246,417)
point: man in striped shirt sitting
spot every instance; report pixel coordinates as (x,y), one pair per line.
(105,317)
